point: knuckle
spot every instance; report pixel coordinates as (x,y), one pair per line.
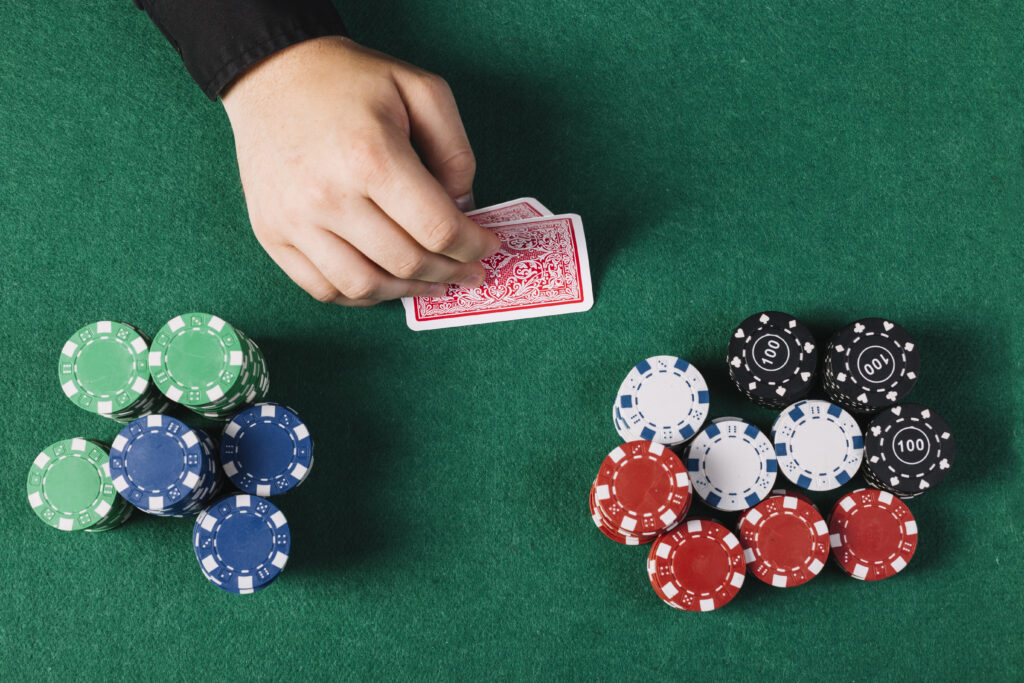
(325,294)
(435,86)
(462,163)
(367,157)
(362,289)
(322,195)
(441,235)
(411,266)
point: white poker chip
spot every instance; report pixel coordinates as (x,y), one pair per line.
(621,428)
(731,464)
(663,399)
(819,446)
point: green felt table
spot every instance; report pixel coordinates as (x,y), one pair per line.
(836,161)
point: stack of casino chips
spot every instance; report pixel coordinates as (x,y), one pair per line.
(908,449)
(69,487)
(662,399)
(164,467)
(818,445)
(641,491)
(266,450)
(785,539)
(773,359)
(103,368)
(205,364)
(872,533)
(241,543)
(731,464)
(696,567)
(870,364)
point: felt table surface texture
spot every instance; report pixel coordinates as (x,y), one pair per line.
(831,160)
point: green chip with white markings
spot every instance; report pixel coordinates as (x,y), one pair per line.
(104,367)
(197,359)
(69,485)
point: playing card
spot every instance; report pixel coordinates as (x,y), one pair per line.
(514,210)
(541,269)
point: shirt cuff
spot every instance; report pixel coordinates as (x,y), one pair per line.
(219,39)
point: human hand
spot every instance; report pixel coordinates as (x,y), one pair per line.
(337,196)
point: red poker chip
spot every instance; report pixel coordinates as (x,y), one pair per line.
(785,540)
(780,492)
(697,567)
(600,523)
(642,488)
(872,533)
(798,494)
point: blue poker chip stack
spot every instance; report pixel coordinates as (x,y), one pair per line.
(164,467)
(242,543)
(266,450)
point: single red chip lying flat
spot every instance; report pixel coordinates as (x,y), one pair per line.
(697,567)
(872,533)
(785,540)
(642,488)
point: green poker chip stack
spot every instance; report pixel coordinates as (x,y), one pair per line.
(208,366)
(104,369)
(69,487)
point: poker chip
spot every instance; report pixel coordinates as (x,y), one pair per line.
(614,534)
(241,543)
(818,445)
(872,533)
(266,450)
(785,540)
(164,467)
(205,364)
(697,567)
(641,489)
(731,464)
(870,364)
(801,496)
(103,369)
(69,487)
(772,359)
(908,449)
(780,492)
(662,399)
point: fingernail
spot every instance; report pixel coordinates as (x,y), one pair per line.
(465,202)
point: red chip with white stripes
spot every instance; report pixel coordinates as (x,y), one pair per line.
(642,488)
(785,540)
(872,533)
(698,567)
(602,525)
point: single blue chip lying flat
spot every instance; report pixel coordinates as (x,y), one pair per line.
(242,543)
(266,450)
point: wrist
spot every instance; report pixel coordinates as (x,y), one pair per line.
(285,67)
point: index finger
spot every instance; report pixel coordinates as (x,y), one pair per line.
(406,191)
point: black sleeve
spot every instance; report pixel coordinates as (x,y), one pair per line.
(219,39)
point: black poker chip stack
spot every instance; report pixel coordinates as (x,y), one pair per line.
(870,364)
(869,367)
(772,359)
(908,449)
